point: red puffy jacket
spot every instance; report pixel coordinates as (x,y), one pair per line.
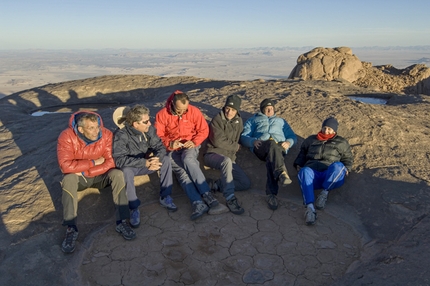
(76,156)
(191,126)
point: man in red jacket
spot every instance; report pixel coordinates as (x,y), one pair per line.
(84,152)
(182,129)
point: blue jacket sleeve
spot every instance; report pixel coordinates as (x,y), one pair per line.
(289,134)
(246,138)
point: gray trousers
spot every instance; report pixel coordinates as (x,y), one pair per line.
(233,178)
(72,184)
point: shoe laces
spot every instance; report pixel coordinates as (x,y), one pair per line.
(209,196)
(125,227)
(199,207)
(70,235)
(233,201)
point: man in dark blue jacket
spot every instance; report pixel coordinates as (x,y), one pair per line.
(137,150)
(323,162)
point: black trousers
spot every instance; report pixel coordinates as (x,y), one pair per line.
(273,154)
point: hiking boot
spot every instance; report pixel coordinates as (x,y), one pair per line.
(213,185)
(167,202)
(284,179)
(310,216)
(135,218)
(199,209)
(68,245)
(321,200)
(209,199)
(272,202)
(234,206)
(125,230)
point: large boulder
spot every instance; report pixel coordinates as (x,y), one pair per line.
(328,64)
(341,64)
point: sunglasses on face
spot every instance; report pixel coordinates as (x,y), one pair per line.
(144,122)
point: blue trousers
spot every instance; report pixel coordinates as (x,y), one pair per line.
(232,176)
(330,179)
(166,181)
(187,170)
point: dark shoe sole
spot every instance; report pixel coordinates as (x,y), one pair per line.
(69,251)
(214,204)
(198,215)
(272,207)
(238,212)
(125,237)
(169,209)
(134,225)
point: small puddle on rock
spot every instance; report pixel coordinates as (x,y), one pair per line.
(371,100)
(41,113)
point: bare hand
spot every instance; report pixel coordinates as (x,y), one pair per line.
(153,164)
(99,161)
(176,144)
(285,145)
(257,144)
(189,144)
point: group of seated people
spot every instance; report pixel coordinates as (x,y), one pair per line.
(90,155)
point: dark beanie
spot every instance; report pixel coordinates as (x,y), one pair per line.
(331,122)
(233,101)
(266,102)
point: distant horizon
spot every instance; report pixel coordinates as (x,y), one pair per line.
(29,68)
(217,49)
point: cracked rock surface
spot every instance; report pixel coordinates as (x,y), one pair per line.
(259,247)
(374,229)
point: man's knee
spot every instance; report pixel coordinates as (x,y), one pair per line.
(166,161)
(70,181)
(226,162)
(190,160)
(306,172)
(116,175)
(337,167)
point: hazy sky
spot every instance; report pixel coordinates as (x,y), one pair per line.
(192,24)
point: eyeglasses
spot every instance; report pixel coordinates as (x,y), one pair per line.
(144,122)
(92,128)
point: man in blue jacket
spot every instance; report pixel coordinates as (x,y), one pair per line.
(137,150)
(270,137)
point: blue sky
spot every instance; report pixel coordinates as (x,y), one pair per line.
(187,24)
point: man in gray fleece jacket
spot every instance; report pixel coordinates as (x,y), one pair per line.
(222,145)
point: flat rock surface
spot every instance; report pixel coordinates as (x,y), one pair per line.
(374,230)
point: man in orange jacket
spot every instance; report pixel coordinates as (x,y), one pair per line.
(182,129)
(84,152)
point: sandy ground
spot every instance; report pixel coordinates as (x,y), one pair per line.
(375,229)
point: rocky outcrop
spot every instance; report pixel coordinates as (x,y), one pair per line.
(341,64)
(414,79)
(328,64)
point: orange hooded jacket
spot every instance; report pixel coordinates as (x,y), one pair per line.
(77,156)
